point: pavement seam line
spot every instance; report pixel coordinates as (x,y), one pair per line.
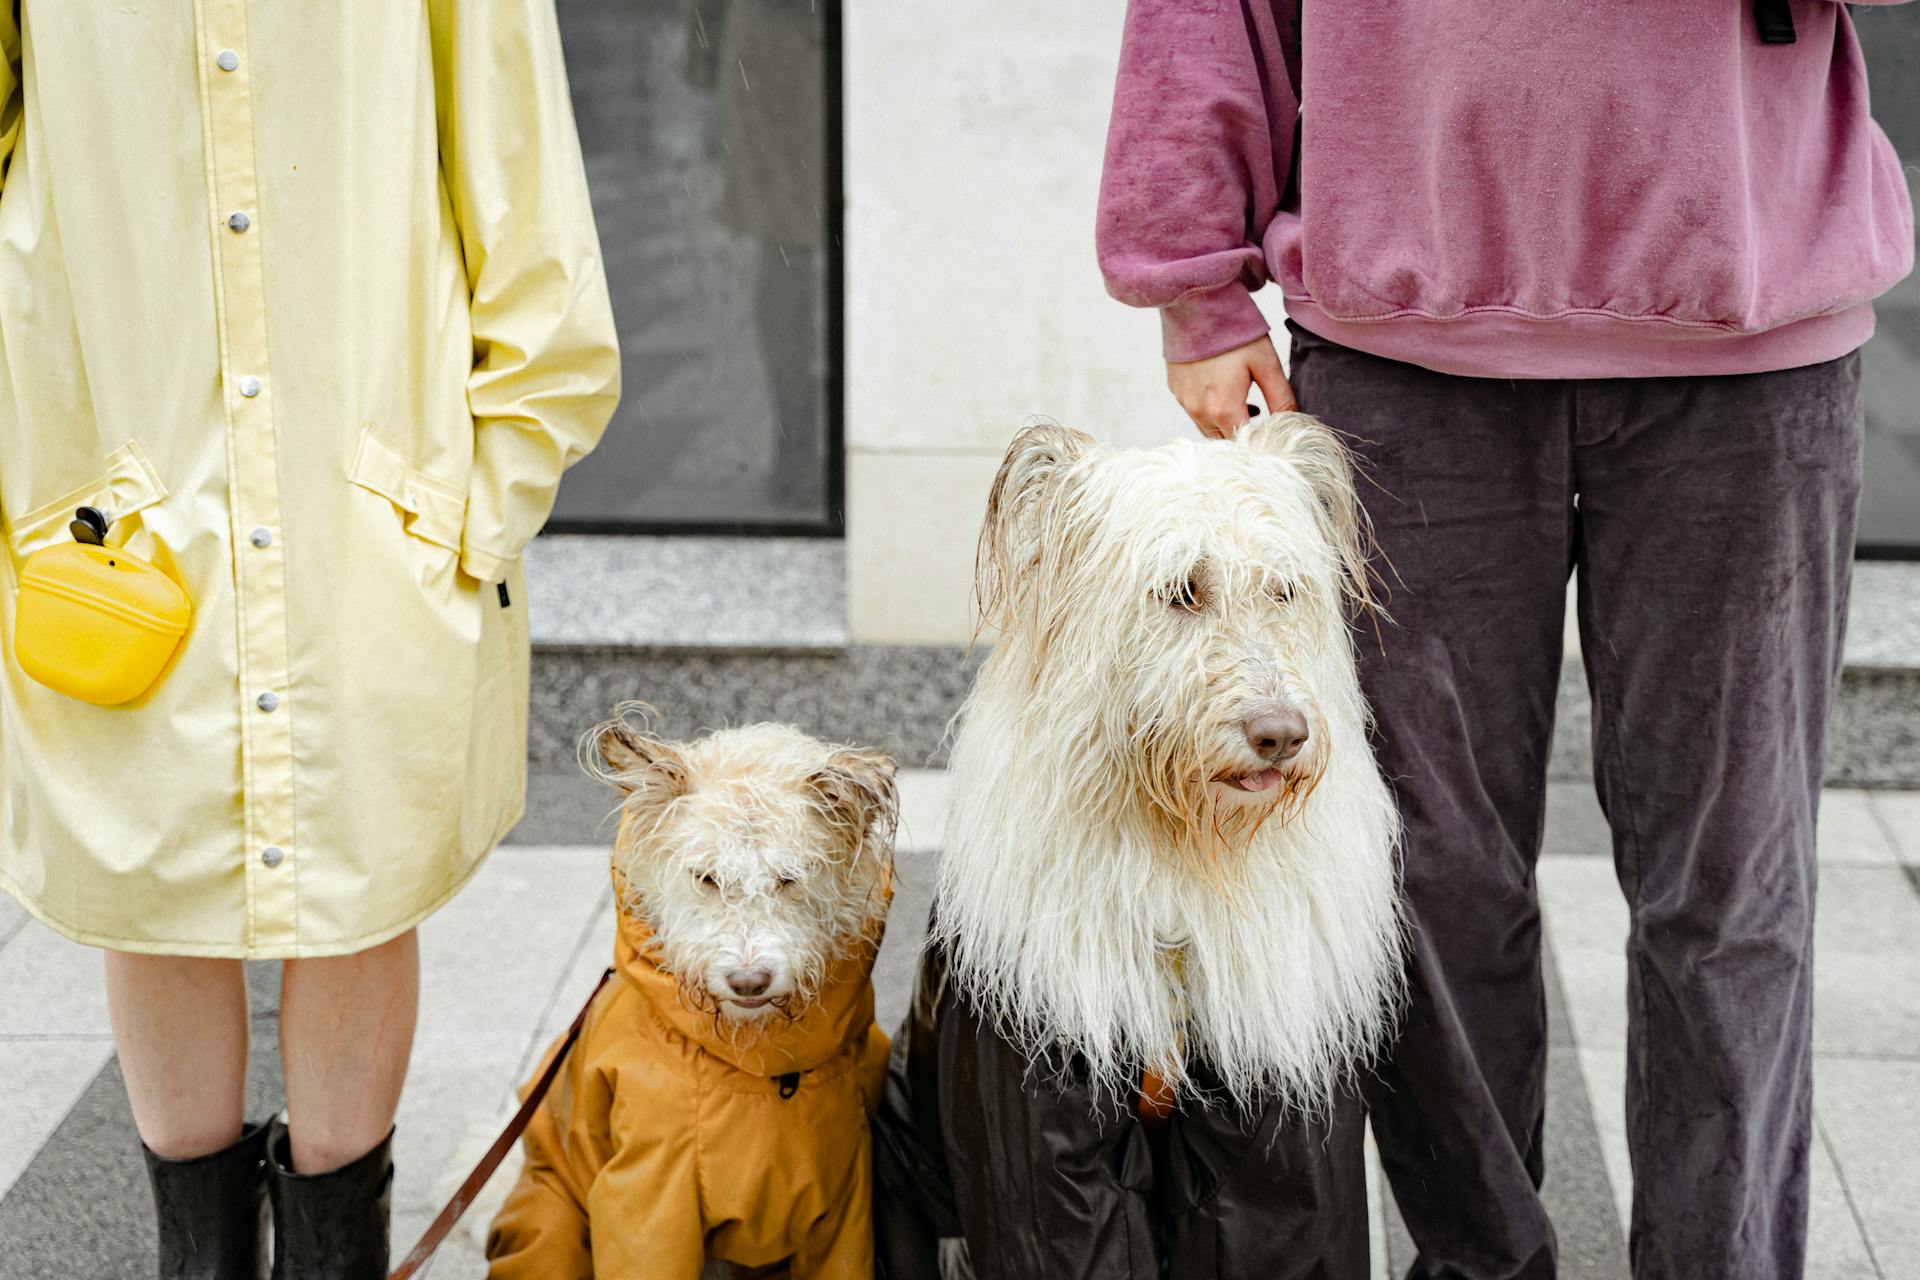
(1846,1193)
(1887,832)
(66,1037)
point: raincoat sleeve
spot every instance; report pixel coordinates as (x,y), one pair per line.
(1199,149)
(546,366)
(540,1232)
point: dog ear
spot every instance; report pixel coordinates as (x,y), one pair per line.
(1013,538)
(632,757)
(857,793)
(1316,451)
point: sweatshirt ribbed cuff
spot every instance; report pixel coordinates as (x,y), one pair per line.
(1207,323)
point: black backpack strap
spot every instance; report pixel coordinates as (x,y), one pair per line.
(1775,20)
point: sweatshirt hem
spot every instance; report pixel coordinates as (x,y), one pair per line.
(1498,343)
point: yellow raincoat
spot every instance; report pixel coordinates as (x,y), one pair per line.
(663,1140)
(307,297)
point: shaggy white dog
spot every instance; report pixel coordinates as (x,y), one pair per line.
(1168,836)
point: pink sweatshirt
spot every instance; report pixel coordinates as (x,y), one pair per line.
(1561,188)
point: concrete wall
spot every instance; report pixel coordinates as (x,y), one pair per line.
(974,135)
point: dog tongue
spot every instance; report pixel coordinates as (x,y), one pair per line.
(1261,781)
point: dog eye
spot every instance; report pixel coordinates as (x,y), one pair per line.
(1185,595)
(787,882)
(706,880)
(1281,592)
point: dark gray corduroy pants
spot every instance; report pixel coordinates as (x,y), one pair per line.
(1708,523)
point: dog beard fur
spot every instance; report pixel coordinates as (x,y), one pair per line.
(1099,895)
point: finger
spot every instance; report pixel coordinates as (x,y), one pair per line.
(1274,388)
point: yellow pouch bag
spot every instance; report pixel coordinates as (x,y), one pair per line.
(94,622)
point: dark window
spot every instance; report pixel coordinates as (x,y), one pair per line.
(1890,363)
(710,129)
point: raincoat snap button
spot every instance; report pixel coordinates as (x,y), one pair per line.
(228,60)
(261,536)
(273,855)
(239,222)
(268,700)
(249,387)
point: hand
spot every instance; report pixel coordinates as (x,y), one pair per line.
(1214,391)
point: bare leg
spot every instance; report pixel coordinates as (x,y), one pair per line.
(180,1025)
(346,1031)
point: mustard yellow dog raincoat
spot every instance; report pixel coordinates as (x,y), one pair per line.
(664,1140)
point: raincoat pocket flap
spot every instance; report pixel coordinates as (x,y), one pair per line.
(436,510)
(128,485)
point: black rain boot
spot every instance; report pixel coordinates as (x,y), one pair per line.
(212,1211)
(330,1226)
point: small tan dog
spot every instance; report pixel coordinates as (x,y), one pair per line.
(716,1104)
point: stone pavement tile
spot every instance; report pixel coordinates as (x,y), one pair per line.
(1605,1071)
(1586,920)
(1851,831)
(1578,1189)
(1866,966)
(923,809)
(566,808)
(51,987)
(1400,1251)
(82,1207)
(1377,1195)
(1900,812)
(1870,1112)
(591,958)
(1596,984)
(1835,1247)
(490,963)
(12,917)
(913,877)
(1575,824)
(464,1252)
(42,1079)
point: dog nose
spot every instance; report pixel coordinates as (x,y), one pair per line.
(748,983)
(1276,733)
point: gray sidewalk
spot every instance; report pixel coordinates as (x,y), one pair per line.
(507,963)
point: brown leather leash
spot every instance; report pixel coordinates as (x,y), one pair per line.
(464,1197)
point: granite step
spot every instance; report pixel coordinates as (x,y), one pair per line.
(717,631)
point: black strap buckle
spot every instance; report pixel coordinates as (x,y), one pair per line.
(1775,20)
(789,1084)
